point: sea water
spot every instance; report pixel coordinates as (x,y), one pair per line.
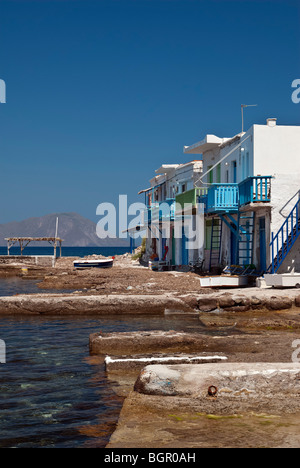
(52,392)
(68,251)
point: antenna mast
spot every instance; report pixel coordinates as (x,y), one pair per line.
(242,109)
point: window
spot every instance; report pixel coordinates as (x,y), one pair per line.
(218,173)
(234,172)
(210,175)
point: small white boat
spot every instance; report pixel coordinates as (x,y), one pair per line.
(103,263)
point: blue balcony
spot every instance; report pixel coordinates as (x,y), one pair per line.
(255,190)
(163,210)
(222,198)
(228,198)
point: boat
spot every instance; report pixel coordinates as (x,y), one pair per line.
(103,263)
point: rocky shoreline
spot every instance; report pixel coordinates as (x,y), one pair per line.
(222,327)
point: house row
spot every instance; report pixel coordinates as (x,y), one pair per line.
(233,201)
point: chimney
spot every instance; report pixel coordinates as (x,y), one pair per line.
(271,122)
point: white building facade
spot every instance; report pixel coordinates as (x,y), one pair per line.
(269,150)
(243,195)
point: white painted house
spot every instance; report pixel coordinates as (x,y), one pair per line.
(171,180)
(264,150)
(243,194)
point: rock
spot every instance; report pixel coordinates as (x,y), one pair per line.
(238,381)
(255,301)
(241,304)
(279,303)
(226,301)
(297,301)
(207,304)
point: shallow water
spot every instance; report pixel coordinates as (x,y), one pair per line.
(17,285)
(52,393)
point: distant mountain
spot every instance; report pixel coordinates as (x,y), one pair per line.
(75,230)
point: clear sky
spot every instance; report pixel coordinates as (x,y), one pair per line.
(100,93)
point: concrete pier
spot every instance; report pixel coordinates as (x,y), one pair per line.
(121,304)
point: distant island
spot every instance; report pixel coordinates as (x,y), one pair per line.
(74,229)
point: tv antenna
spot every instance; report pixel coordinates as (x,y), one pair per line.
(242,108)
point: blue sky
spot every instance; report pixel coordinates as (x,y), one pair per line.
(100,93)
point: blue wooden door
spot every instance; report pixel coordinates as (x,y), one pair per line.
(185,252)
(262,244)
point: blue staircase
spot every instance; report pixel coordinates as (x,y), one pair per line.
(285,238)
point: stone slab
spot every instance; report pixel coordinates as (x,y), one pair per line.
(120,304)
(155,341)
(222,381)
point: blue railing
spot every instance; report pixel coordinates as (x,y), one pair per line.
(285,238)
(255,190)
(163,210)
(229,197)
(222,197)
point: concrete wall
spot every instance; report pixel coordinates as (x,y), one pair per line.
(276,149)
(241,152)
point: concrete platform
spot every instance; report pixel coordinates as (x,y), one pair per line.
(285,280)
(223,281)
(67,304)
(156,341)
(222,381)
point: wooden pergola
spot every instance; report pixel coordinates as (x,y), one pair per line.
(25,241)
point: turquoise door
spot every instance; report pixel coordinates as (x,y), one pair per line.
(185,252)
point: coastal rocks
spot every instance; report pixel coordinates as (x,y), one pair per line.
(231,302)
(279,303)
(207,304)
